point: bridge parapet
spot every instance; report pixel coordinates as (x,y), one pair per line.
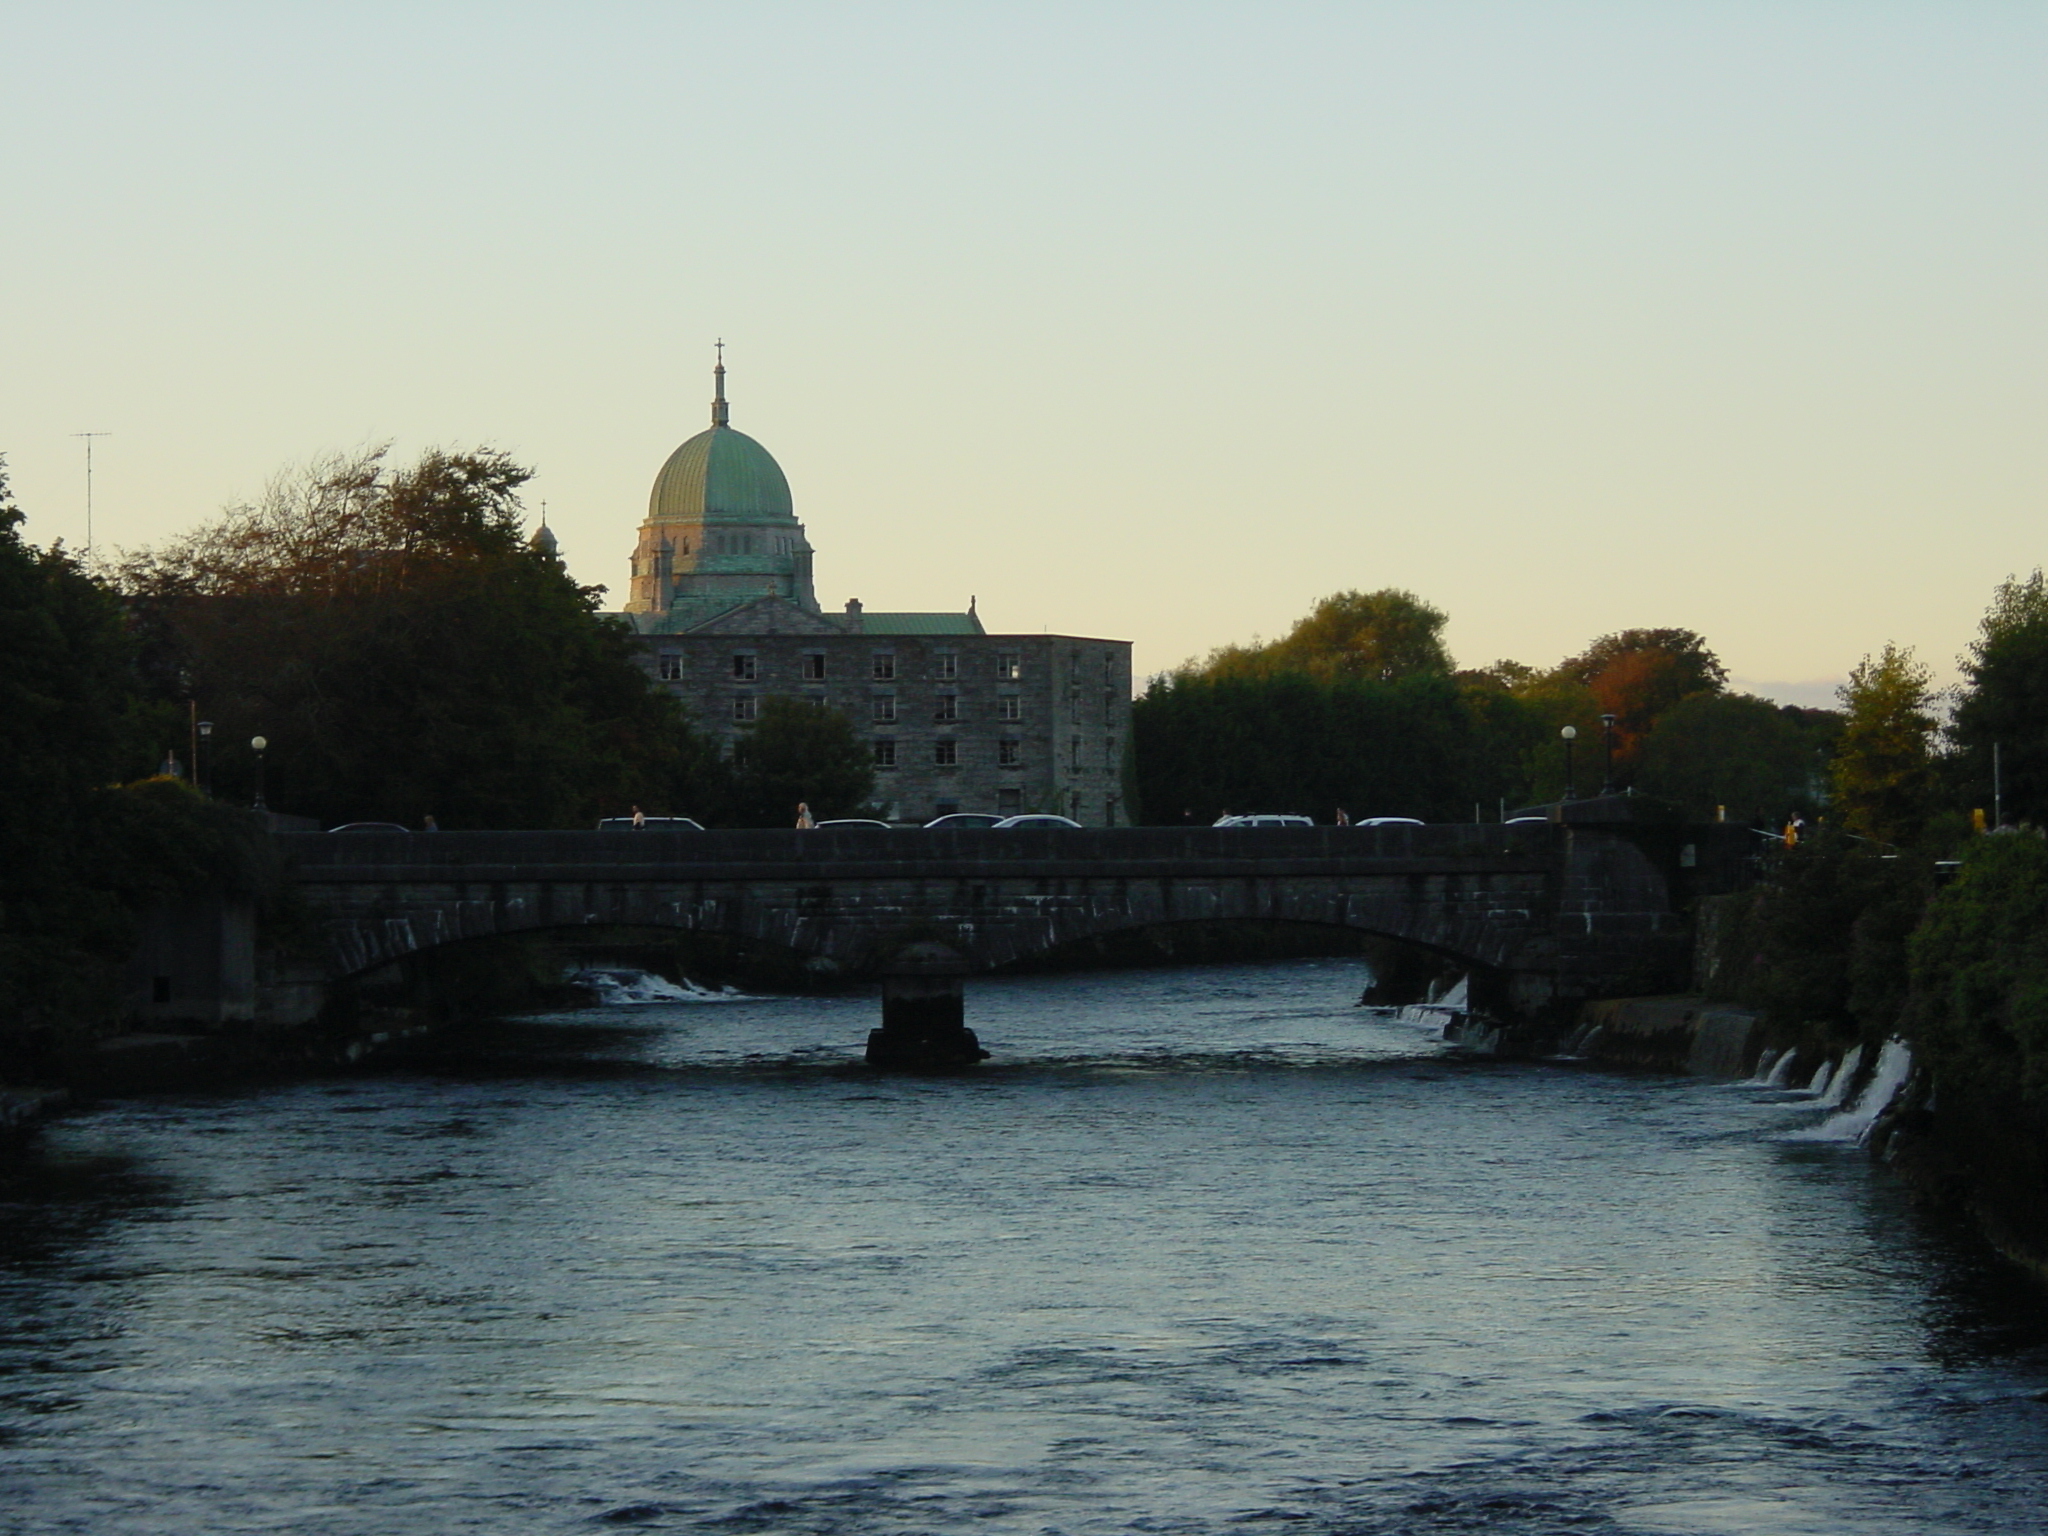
(1564,911)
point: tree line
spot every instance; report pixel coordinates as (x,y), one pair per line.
(1360,706)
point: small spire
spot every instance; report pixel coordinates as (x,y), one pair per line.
(718,406)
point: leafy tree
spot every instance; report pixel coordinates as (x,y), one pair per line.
(2004,701)
(1638,674)
(407,654)
(67,693)
(1883,772)
(1375,636)
(1299,744)
(1732,750)
(797,752)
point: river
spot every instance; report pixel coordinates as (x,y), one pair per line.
(1206,1250)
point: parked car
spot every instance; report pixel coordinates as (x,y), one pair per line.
(1267,821)
(370,826)
(650,824)
(1036,820)
(1527,821)
(1391,821)
(956,820)
(844,822)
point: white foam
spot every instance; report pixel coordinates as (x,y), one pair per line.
(1781,1074)
(1455,995)
(619,986)
(1894,1066)
(1761,1077)
(1818,1083)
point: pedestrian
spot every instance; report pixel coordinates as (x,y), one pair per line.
(430,825)
(803,817)
(1343,817)
(639,819)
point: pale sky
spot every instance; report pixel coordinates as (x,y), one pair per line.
(1153,321)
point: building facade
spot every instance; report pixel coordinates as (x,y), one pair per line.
(958,719)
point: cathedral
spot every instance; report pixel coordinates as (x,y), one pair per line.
(722,597)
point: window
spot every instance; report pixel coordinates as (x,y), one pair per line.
(1077,751)
(743,706)
(885,666)
(1009,753)
(946,753)
(1109,751)
(947,707)
(885,753)
(671,667)
(945,807)
(744,669)
(1108,705)
(814,667)
(885,709)
(946,666)
(1010,707)
(1109,667)
(1006,664)
(1009,801)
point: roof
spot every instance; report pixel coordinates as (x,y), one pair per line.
(720,476)
(920,624)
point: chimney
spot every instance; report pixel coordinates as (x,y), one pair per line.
(853,607)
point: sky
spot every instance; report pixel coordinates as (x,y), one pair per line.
(1149,321)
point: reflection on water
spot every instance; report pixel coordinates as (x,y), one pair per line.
(1198,1251)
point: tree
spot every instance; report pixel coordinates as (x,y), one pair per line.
(407,654)
(798,752)
(1374,636)
(67,693)
(1638,674)
(1883,772)
(1755,758)
(2004,702)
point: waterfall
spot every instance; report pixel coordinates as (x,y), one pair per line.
(1894,1065)
(1818,1083)
(1456,994)
(1781,1074)
(1843,1080)
(1761,1078)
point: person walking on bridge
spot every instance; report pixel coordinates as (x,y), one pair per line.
(803,817)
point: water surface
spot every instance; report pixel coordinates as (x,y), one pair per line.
(1200,1251)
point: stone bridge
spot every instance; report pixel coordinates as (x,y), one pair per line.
(1545,914)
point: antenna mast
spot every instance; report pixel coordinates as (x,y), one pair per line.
(89,436)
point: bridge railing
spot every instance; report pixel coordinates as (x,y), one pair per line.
(873,847)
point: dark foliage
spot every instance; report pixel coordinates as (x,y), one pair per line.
(405,654)
(2005,702)
(1756,759)
(1292,743)
(798,753)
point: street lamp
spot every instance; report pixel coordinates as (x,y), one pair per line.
(256,745)
(199,752)
(1607,748)
(1570,734)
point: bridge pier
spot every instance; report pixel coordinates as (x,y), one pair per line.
(924,1012)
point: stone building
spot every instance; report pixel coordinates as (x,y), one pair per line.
(958,719)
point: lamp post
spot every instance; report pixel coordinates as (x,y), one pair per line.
(199,752)
(1607,752)
(256,745)
(1570,734)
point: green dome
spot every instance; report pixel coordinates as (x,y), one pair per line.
(720,476)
